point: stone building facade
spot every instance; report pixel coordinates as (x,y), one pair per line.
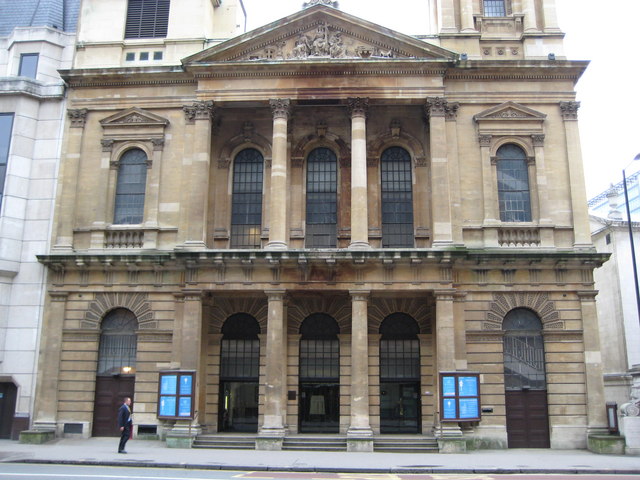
(314,221)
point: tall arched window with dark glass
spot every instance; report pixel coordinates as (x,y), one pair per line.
(130,189)
(397,198)
(246,204)
(322,199)
(514,196)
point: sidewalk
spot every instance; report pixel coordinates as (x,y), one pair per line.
(143,453)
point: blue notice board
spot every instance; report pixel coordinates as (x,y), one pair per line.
(176,394)
(459,396)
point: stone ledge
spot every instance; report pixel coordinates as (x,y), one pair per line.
(37,437)
(606,444)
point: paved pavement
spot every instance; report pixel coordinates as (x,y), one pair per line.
(145,453)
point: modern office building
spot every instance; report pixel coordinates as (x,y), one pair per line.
(36,40)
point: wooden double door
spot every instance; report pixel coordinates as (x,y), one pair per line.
(527,418)
(110,392)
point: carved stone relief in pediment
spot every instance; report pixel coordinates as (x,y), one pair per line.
(325,41)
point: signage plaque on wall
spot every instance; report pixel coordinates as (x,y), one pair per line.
(176,394)
(459,396)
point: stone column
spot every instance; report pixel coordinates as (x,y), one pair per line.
(46,401)
(279,188)
(466,16)
(359,433)
(184,431)
(68,181)
(272,430)
(581,232)
(201,113)
(449,435)
(459,330)
(530,21)
(440,181)
(359,216)
(596,412)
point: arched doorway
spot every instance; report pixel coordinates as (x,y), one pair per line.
(115,378)
(239,372)
(525,380)
(399,375)
(319,375)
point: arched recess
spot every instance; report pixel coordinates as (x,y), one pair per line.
(328,140)
(538,302)
(116,367)
(239,374)
(249,139)
(138,303)
(221,308)
(319,375)
(420,309)
(301,307)
(397,139)
(526,404)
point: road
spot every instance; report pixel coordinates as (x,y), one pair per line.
(16,471)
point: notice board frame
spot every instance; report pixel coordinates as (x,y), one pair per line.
(460,397)
(176,394)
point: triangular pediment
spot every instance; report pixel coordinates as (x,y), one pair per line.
(134,116)
(510,111)
(320,33)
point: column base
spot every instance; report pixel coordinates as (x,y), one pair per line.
(359,246)
(608,444)
(359,439)
(192,245)
(270,438)
(450,439)
(182,435)
(276,246)
(37,437)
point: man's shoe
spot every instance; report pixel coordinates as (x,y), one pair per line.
(121,451)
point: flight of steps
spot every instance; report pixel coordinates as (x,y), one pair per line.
(405,444)
(321,443)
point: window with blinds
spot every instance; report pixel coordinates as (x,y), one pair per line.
(147,19)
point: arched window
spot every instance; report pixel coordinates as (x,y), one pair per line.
(322,199)
(513,184)
(130,189)
(397,198)
(523,351)
(495,8)
(118,345)
(246,204)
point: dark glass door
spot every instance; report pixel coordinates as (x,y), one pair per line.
(8,393)
(319,407)
(399,407)
(239,408)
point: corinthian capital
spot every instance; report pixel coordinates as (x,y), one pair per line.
(569,110)
(435,107)
(280,107)
(78,117)
(199,111)
(358,106)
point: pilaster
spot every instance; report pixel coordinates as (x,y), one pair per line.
(440,181)
(582,234)
(68,180)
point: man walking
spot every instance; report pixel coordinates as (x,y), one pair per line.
(124,422)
